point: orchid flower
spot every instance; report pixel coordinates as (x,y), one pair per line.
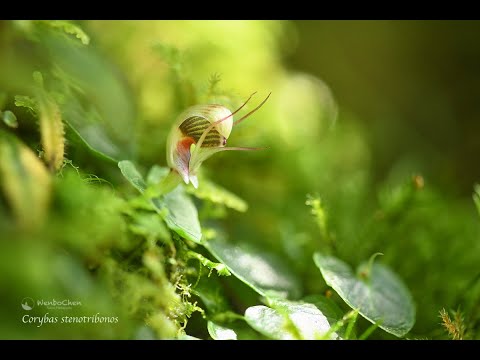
(198,133)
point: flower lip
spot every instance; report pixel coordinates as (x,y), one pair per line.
(194,127)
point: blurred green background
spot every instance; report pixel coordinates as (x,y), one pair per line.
(358,109)
(414,84)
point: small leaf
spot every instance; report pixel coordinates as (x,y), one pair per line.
(218,332)
(382,297)
(216,194)
(93,137)
(180,214)
(238,325)
(263,272)
(330,309)
(10,119)
(308,321)
(130,172)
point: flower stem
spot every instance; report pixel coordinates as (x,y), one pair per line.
(167,184)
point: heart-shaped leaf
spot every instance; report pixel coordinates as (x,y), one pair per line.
(380,296)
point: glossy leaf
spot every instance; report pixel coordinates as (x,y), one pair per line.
(331,311)
(218,332)
(264,272)
(380,298)
(289,320)
(130,172)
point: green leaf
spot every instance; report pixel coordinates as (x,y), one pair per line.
(288,320)
(382,297)
(96,102)
(9,119)
(236,323)
(130,172)
(216,194)
(180,214)
(175,208)
(329,308)
(263,272)
(94,139)
(218,332)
